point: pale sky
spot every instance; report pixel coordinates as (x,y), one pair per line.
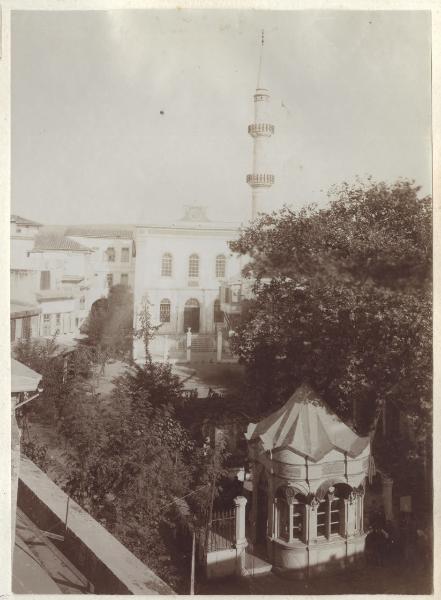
(350,96)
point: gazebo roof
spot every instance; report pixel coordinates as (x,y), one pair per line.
(23,379)
(307,426)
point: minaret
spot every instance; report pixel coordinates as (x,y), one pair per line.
(261,179)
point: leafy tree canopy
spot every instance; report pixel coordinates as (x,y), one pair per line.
(343,300)
(109,325)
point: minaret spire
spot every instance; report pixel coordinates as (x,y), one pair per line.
(259,72)
(261,179)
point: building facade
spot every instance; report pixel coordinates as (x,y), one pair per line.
(113,254)
(180,267)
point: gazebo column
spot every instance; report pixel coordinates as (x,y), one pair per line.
(270,522)
(312,521)
(350,514)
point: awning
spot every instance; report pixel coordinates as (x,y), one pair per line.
(307,426)
(23,379)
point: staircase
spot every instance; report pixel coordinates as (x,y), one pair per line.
(203,342)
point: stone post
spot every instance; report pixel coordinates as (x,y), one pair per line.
(241,540)
(387,497)
(189,344)
(219,345)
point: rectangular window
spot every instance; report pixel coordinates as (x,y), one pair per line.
(193,266)
(46,325)
(321,518)
(26,328)
(125,254)
(65,323)
(297,520)
(334,516)
(109,279)
(13,328)
(82,302)
(58,322)
(124,279)
(164,312)
(45,280)
(110,253)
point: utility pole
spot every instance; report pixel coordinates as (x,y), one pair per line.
(193,556)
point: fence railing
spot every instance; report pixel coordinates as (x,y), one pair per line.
(222,533)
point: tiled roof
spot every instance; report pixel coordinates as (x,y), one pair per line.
(101,231)
(19,308)
(55,241)
(54,295)
(22,221)
(23,379)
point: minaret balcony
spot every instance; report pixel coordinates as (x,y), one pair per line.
(258,129)
(260,179)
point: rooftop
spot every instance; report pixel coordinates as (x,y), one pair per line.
(54,295)
(39,567)
(308,427)
(55,241)
(102,231)
(22,221)
(19,308)
(23,379)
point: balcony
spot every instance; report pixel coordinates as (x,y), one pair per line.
(260,180)
(259,129)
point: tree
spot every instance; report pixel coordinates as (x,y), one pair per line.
(343,300)
(64,374)
(109,326)
(146,331)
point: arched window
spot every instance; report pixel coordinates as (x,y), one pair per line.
(290,514)
(193,266)
(165,310)
(329,510)
(167,265)
(221,262)
(218,315)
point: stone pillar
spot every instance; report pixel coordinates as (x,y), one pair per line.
(188,344)
(219,346)
(241,540)
(387,497)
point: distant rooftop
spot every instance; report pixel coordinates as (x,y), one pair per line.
(101,231)
(55,241)
(23,309)
(22,221)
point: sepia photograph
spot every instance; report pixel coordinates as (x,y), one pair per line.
(221,302)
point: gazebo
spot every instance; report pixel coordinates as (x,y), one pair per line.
(308,473)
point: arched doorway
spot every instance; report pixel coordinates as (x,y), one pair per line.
(192,315)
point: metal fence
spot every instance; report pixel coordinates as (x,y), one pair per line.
(222,533)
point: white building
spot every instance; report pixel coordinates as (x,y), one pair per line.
(112,257)
(180,267)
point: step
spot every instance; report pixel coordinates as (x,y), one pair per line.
(255,565)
